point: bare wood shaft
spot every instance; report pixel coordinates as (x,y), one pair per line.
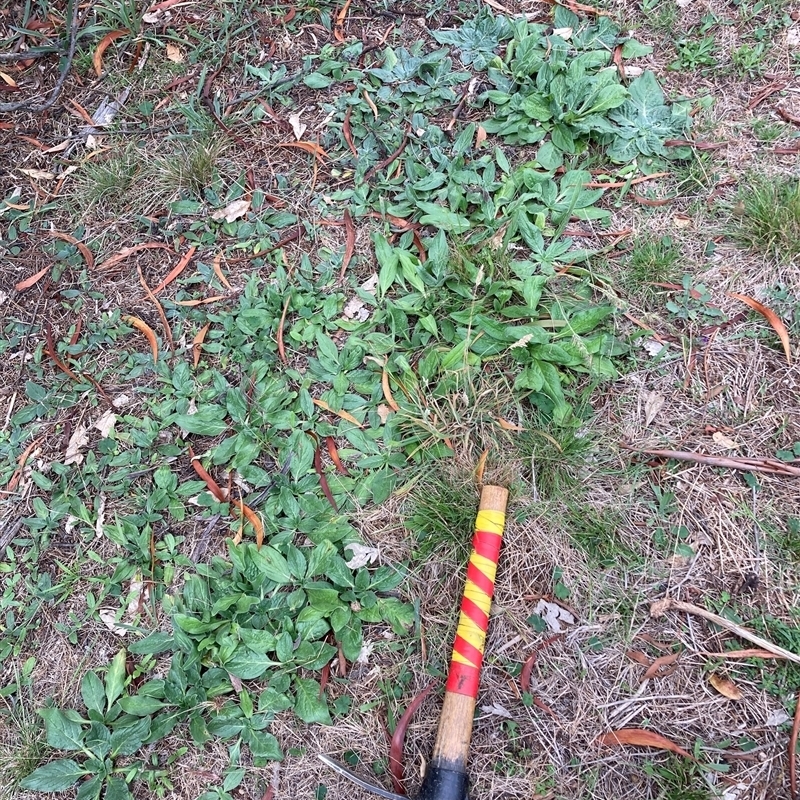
(455,730)
(494,498)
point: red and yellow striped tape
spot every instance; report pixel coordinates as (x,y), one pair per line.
(465,664)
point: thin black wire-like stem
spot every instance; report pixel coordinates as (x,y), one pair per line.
(55,93)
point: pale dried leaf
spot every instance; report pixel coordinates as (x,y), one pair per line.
(365,652)
(723,441)
(298,127)
(736,791)
(39,174)
(631,71)
(497,710)
(236,682)
(174,53)
(101,516)
(109,618)
(383,412)
(564,33)
(362,555)
(106,423)
(371,284)
(793,37)
(652,346)
(776,718)
(233,211)
(355,309)
(122,400)
(725,686)
(138,595)
(78,440)
(480,136)
(554,615)
(151,19)
(57,148)
(653,403)
(681,221)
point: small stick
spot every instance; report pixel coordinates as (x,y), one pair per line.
(387,161)
(769,465)
(660,607)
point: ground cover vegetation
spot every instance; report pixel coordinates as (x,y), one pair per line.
(281,285)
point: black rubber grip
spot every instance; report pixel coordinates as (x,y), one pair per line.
(441,783)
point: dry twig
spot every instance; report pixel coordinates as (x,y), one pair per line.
(660,607)
(770,466)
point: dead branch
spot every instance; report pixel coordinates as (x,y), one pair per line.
(768,465)
(660,607)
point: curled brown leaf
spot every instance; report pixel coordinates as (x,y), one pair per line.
(398,739)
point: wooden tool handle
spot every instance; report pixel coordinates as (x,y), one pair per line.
(446,777)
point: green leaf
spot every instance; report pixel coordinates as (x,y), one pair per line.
(309,706)
(264,747)
(502,161)
(98,740)
(316,80)
(127,739)
(439,217)
(207,421)
(153,644)
(90,790)
(635,49)
(63,732)
(115,677)
(271,563)
(247,664)
(322,597)
(233,779)
(387,261)
(117,789)
(536,107)
(257,640)
(140,706)
(320,558)
(57,776)
(92,692)
(398,614)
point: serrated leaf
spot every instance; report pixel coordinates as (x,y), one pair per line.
(57,776)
